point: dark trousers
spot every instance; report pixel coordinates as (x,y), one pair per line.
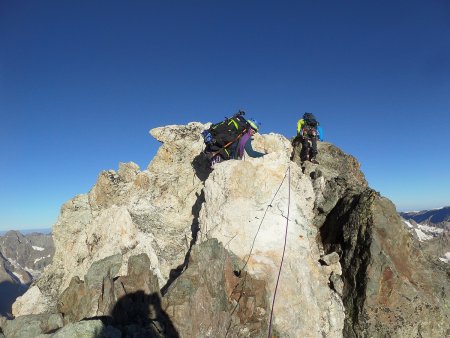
(309,148)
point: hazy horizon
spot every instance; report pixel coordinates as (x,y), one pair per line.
(28,231)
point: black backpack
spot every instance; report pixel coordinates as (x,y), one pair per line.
(221,135)
(310,120)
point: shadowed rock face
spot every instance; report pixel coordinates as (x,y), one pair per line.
(192,231)
(216,301)
(9,291)
(121,303)
(392,288)
(98,293)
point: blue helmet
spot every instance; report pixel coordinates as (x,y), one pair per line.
(253,124)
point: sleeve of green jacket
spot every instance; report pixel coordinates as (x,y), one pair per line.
(300,124)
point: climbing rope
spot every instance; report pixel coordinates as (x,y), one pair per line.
(282,257)
(262,220)
(252,246)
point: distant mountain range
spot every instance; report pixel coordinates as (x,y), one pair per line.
(432,229)
(44,231)
(436,217)
(22,259)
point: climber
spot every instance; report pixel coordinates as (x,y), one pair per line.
(245,142)
(308,131)
(228,139)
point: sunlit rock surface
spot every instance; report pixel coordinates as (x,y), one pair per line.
(215,243)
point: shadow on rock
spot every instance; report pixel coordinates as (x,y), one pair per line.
(175,273)
(8,294)
(201,167)
(139,315)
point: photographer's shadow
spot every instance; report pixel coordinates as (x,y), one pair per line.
(140,315)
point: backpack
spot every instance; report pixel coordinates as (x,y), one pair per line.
(222,134)
(310,120)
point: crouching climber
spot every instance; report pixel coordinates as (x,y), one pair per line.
(309,130)
(228,139)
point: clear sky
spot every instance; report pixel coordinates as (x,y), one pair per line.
(82,83)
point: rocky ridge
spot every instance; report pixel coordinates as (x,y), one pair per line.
(178,241)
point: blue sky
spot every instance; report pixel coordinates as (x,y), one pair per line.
(82,83)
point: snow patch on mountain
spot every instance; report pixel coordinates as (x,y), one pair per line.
(40,259)
(422,236)
(408,224)
(430,229)
(423,232)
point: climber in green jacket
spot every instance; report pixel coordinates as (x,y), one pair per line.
(309,130)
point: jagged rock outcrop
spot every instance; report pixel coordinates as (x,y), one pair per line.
(126,212)
(216,242)
(98,293)
(390,288)
(226,305)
